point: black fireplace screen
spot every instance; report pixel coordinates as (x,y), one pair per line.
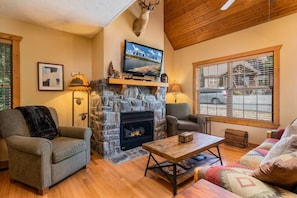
(136,128)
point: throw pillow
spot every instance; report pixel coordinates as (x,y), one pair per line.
(280,171)
(283,146)
(291,129)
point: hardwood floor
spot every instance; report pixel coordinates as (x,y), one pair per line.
(103,179)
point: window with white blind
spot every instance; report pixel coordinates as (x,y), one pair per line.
(9,71)
(240,89)
(5,74)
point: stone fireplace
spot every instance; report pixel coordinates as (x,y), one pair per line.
(110,101)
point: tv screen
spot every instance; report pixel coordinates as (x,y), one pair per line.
(141,60)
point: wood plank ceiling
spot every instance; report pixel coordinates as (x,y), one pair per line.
(189,22)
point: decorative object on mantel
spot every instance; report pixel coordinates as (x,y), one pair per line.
(110,71)
(164,78)
(140,23)
(175,89)
(117,74)
(79,82)
(185,137)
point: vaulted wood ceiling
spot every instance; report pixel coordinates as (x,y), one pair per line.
(189,22)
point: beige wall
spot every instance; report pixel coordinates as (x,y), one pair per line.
(97,56)
(120,30)
(41,44)
(78,54)
(278,32)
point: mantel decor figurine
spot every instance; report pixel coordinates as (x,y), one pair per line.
(111,72)
(164,78)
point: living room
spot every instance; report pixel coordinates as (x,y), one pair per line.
(91,56)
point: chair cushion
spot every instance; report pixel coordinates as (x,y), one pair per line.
(186,125)
(65,147)
(280,171)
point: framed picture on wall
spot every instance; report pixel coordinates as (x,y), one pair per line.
(50,77)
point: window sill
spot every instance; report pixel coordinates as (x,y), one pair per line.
(246,122)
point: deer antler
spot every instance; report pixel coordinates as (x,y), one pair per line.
(140,23)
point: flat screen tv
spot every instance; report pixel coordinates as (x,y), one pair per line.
(141,60)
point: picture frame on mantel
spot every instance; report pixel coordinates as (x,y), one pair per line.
(50,76)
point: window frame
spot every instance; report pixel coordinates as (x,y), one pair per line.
(15,66)
(276,87)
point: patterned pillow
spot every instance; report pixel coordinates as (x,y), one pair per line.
(283,146)
(280,171)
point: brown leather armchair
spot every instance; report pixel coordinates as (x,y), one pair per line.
(179,119)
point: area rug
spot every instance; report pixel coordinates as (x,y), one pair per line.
(127,155)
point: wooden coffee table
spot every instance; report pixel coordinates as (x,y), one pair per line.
(175,152)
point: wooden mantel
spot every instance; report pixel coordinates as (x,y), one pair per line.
(125,82)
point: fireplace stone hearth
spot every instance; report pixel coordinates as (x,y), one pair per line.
(107,102)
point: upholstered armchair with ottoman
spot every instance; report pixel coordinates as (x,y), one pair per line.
(179,119)
(269,170)
(40,152)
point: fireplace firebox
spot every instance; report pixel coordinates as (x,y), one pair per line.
(136,128)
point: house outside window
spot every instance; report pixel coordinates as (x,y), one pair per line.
(239,89)
(9,71)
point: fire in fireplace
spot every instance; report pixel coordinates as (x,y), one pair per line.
(136,128)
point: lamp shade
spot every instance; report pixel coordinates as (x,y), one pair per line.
(79,82)
(176,88)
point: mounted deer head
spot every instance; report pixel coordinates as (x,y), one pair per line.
(141,22)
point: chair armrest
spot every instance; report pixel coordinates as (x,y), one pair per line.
(171,125)
(196,118)
(199,172)
(277,134)
(196,171)
(75,132)
(32,145)
(171,119)
(200,120)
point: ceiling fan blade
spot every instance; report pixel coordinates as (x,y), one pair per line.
(227,4)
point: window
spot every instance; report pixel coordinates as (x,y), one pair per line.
(9,71)
(240,89)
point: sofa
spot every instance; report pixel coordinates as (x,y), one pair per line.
(44,159)
(268,170)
